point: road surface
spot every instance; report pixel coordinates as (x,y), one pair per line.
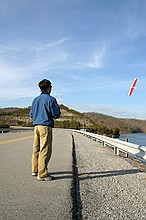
(21,195)
(90,182)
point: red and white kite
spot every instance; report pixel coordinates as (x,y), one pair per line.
(132,87)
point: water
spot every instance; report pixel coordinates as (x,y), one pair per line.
(138,138)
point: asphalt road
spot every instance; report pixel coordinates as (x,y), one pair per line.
(21,195)
(90,182)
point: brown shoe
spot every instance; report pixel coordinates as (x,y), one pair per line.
(46,178)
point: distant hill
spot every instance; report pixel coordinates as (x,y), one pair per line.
(15,117)
(70,118)
(20,117)
(125,125)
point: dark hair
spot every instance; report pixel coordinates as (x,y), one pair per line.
(44,85)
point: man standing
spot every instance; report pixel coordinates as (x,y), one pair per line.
(43,111)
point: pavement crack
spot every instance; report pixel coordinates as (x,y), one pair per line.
(75,191)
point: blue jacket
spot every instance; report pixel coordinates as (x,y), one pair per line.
(44,110)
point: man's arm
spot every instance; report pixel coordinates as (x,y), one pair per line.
(55,109)
(31,113)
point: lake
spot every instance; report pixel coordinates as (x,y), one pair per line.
(137,138)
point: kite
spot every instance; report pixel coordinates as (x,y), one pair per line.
(132,87)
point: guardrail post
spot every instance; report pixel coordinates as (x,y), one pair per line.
(97,140)
(116,151)
(126,154)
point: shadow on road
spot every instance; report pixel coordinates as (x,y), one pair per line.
(94,175)
(62,175)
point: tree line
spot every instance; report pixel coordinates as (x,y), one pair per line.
(76,120)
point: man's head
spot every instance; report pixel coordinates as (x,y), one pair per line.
(45,85)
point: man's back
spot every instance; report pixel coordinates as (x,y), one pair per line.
(44,109)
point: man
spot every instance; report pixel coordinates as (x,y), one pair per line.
(43,111)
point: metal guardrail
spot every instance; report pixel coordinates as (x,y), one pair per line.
(118,145)
(3,130)
(129,148)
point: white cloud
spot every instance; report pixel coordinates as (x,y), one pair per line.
(14,92)
(60,100)
(57,43)
(19,66)
(135,25)
(107,110)
(6,48)
(97,60)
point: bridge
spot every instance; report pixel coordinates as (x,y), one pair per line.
(90,181)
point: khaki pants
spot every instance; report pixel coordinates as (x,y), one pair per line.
(42,149)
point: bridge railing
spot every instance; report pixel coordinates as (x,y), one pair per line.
(128,148)
(3,130)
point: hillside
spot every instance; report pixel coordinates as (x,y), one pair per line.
(125,125)
(94,122)
(20,117)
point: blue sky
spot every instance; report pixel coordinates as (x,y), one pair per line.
(91,50)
